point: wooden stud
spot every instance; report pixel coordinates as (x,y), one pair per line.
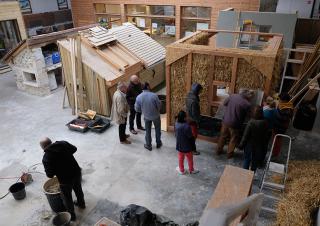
(168,91)
(79,73)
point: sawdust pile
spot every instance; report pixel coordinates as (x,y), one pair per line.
(302,196)
(276,74)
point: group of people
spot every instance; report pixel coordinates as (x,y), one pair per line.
(253,137)
(138,99)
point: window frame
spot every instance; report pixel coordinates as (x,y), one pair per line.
(27,10)
(65,6)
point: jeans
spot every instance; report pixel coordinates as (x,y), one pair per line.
(181,156)
(122,131)
(250,158)
(227,131)
(157,126)
(137,115)
(66,194)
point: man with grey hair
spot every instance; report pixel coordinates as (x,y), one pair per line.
(58,160)
(134,89)
(236,108)
(119,111)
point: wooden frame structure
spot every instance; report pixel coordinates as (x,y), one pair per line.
(195,59)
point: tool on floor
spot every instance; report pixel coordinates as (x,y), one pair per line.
(275,170)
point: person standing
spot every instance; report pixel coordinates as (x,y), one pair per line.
(119,111)
(58,160)
(149,105)
(254,140)
(193,111)
(236,109)
(184,143)
(134,89)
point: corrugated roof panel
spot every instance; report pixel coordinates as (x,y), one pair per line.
(139,43)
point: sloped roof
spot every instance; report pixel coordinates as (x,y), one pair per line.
(140,44)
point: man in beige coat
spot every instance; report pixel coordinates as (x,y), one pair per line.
(119,111)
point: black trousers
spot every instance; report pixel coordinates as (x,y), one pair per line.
(134,114)
(122,131)
(66,194)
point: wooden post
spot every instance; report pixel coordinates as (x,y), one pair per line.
(123,13)
(234,75)
(79,73)
(168,91)
(189,73)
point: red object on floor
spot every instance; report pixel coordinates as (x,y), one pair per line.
(181,157)
(194,128)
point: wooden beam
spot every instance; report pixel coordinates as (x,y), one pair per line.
(109,60)
(241,32)
(168,91)
(189,73)
(79,72)
(234,75)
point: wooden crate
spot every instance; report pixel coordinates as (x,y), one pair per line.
(107,222)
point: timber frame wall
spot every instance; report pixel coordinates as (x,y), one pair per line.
(83,11)
(184,55)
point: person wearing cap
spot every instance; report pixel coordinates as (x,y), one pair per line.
(134,89)
(149,105)
(119,111)
(236,108)
(193,112)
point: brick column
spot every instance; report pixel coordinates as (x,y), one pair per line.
(123,13)
(178,21)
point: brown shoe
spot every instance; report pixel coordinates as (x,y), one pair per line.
(219,152)
(230,155)
(125,142)
(133,132)
(127,136)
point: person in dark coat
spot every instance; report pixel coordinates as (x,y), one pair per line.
(193,111)
(254,140)
(134,89)
(184,144)
(236,108)
(58,160)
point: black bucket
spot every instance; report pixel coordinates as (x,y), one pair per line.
(162,99)
(54,197)
(62,219)
(18,191)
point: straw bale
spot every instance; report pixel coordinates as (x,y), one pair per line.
(199,39)
(248,76)
(177,87)
(276,74)
(302,196)
(201,65)
(223,68)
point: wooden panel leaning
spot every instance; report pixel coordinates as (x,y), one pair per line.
(234,186)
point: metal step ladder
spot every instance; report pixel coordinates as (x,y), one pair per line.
(278,169)
(292,61)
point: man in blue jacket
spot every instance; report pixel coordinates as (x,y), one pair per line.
(58,160)
(149,105)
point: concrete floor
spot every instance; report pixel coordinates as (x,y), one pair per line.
(114,175)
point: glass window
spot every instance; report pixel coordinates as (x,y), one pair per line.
(162,10)
(197,12)
(108,21)
(190,26)
(113,9)
(137,9)
(100,8)
(163,30)
(9,36)
(62,4)
(25,6)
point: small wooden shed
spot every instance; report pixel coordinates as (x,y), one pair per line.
(97,59)
(197,59)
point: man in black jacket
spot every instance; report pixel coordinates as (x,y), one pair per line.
(58,160)
(134,89)
(193,111)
